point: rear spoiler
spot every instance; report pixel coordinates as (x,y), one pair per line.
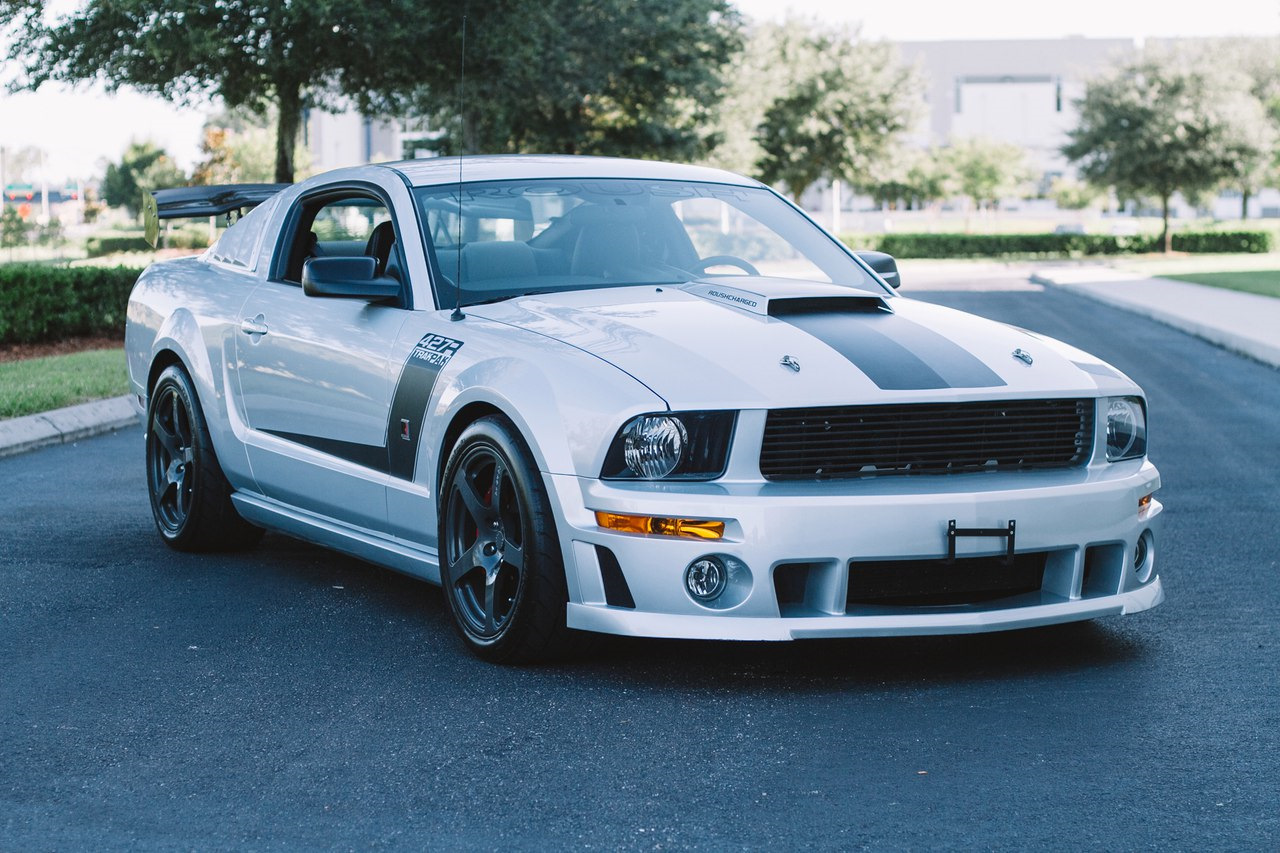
(197,202)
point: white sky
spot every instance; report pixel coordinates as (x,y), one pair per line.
(81,129)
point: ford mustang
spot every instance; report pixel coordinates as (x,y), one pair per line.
(587,394)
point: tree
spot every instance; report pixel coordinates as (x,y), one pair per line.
(14,230)
(142,167)
(248,53)
(1070,194)
(911,175)
(1158,126)
(841,117)
(235,157)
(774,59)
(983,170)
(612,77)
(1259,60)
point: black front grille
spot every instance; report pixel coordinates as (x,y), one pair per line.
(926,583)
(845,442)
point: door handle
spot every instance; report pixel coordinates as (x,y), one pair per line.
(256,326)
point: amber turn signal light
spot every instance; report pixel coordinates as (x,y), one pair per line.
(689,528)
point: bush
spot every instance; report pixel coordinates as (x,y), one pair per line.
(110,244)
(1055,245)
(1222,241)
(44,303)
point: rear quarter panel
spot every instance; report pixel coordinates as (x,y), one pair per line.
(190,308)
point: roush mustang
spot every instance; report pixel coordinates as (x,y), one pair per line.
(632,398)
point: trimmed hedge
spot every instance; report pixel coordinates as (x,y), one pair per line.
(1255,242)
(96,247)
(1068,245)
(44,303)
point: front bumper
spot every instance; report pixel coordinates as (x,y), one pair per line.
(1085,522)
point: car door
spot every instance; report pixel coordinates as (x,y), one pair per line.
(315,377)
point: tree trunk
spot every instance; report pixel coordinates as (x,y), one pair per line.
(1167,237)
(1244,204)
(287,126)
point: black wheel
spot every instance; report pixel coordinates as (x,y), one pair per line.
(500,558)
(726,261)
(190,498)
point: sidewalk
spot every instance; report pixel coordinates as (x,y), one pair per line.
(60,426)
(1242,322)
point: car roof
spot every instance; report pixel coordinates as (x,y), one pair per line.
(434,171)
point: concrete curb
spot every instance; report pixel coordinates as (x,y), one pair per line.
(1244,323)
(60,426)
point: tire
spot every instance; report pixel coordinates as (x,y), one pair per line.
(500,561)
(190,497)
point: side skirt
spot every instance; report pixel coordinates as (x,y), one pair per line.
(358,542)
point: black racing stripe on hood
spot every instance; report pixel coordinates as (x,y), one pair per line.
(895,353)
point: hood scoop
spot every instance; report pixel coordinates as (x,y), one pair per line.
(774,297)
(827,305)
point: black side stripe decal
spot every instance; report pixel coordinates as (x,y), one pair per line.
(368,455)
(895,353)
(409,402)
(398,455)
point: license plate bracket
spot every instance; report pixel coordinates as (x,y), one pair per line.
(1007,534)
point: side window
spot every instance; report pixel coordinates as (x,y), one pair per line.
(348,226)
(238,246)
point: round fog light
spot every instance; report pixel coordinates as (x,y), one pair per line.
(706,578)
(1144,561)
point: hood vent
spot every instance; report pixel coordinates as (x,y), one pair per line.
(827,305)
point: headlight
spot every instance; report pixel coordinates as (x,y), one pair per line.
(1126,428)
(652,445)
(671,446)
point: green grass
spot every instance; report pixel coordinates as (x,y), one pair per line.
(1262,282)
(40,384)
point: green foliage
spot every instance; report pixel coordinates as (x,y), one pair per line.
(1253,242)
(41,384)
(110,244)
(1070,194)
(51,234)
(983,170)
(239,147)
(235,157)
(1261,282)
(842,117)
(1054,245)
(43,303)
(910,175)
(1161,125)
(144,166)
(248,53)
(612,77)
(14,230)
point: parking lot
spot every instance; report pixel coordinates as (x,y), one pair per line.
(292,698)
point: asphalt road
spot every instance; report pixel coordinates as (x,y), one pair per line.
(290,698)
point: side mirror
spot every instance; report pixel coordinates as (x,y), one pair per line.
(347,278)
(883,264)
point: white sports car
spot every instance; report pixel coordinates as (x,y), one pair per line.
(632,398)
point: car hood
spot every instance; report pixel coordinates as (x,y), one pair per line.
(755,342)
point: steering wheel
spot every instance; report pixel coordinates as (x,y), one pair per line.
(725,260)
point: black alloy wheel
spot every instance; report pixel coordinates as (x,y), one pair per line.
(190,496)
(503,577)
(171,460)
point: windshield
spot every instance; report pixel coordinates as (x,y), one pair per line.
(511,238)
